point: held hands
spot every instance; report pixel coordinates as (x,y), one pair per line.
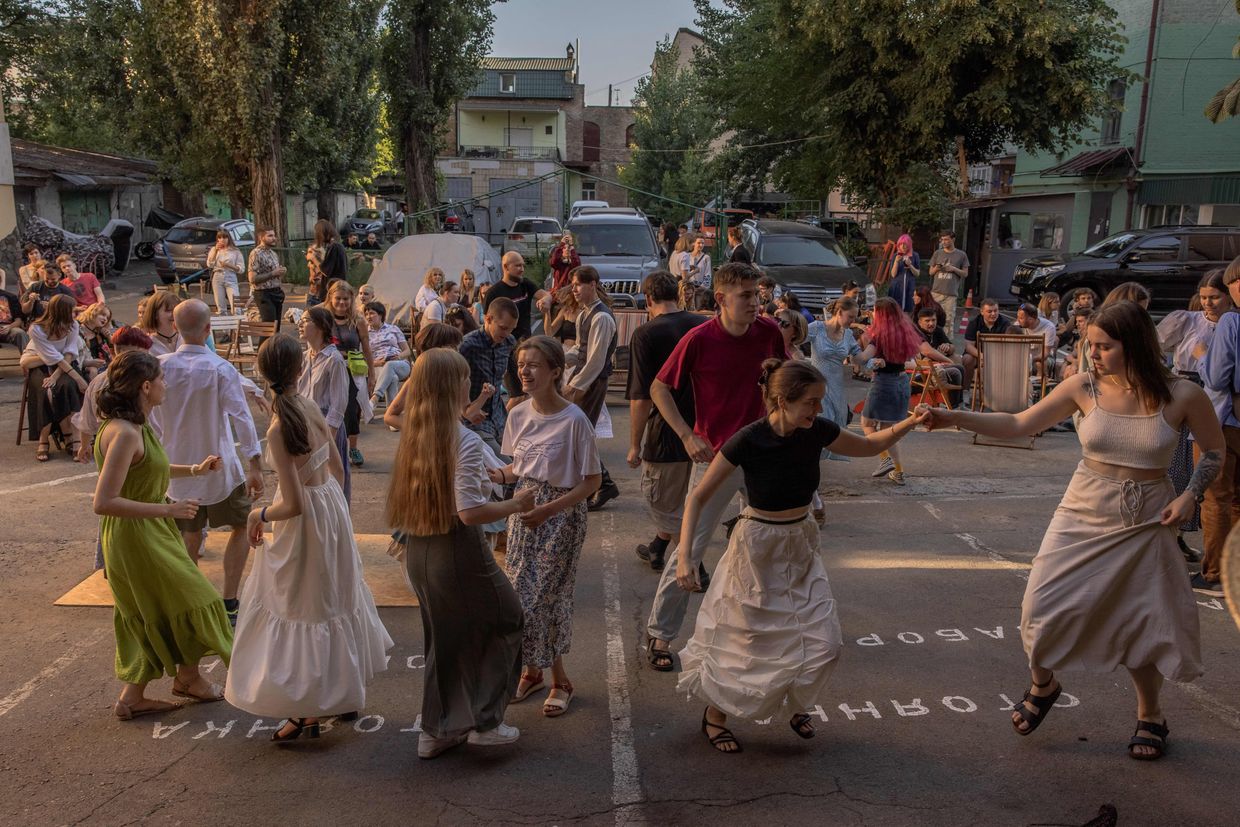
(524,500)
(634,459)
(699,450)
(488,390)
(496,475)
(211,463)
(1179,510)
(544,305)
(535,516)
(182,510)
(254,484)
(935,418)
(686,573)
(254,527)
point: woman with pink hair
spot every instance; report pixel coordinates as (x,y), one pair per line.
(886,346)
(905,267)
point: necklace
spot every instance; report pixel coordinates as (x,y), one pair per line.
(1117,384)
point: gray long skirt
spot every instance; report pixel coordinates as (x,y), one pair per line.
(471,622)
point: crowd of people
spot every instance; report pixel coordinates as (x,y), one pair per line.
(736,393)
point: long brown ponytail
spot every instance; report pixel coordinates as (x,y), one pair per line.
(280,361)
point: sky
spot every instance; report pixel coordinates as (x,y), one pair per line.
(617,36)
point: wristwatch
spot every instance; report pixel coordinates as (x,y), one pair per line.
(1200,498)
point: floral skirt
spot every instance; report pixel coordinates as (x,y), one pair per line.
(542,565)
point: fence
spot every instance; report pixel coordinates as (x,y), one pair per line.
(293,256)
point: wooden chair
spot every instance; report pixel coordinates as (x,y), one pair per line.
(224,328)
(243,351)
(1002,380)
(10,362)
(934,388)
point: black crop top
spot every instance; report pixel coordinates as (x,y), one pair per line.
(781,472)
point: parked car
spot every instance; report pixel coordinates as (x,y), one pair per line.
(621,245)
(367,220)
(456,218)
(1167,260)
(182,252)
(533,235)
(578,206)
(803,259)
(706,223)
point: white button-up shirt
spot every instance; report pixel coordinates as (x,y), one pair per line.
(325,381)
(204,412)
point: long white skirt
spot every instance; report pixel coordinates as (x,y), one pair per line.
(767,632)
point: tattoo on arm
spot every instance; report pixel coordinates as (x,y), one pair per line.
(1208,467)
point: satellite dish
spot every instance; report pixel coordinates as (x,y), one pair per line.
(1231,573)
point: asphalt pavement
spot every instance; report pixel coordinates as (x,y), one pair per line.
(913,730)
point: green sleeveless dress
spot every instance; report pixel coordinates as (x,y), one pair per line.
(167,612)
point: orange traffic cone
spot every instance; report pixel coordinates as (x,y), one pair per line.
(964,316)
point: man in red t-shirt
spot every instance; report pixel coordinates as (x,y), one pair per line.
(84,286)
(721,360)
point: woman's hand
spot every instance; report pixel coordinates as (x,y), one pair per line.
(488,390)
(254,527)
(1179,510)
(182,510)
(936,418)
(49,382)
(686,574)
(211,463)
(83,451)
(877,363)
(535,516)
(524,500)
(496,475)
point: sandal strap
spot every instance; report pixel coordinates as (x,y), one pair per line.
(1138,740)
(1160,730)
(1048,682)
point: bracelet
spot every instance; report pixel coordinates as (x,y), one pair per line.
(262,515)
(192,473)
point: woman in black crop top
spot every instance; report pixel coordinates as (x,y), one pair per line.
(767,631)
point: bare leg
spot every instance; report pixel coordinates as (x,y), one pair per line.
(1148,682)
(235,554)
(1040,676)
(558,673)
(193,544)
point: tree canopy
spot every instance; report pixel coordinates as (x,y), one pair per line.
(1226,101)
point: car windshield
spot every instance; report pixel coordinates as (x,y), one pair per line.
(190,235)
(536,227)
(798,251)
(613,240)
(369,215)
(1110,247)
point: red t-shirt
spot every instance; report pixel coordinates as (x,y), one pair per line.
(83,289)
(723,370)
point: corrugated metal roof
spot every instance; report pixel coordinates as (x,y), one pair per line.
(515,64)
(1085,163)
(35,163)
(1213,189)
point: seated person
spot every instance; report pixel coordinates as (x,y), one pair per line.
(12,321)
(1070,343)
(768,290)
(1031,323)
(936,337)
(34,300)
(990,322)
(389,352)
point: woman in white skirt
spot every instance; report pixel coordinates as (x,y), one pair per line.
(309,637)
(1108,587)
(767,633)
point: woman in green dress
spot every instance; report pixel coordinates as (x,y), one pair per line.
(168,615)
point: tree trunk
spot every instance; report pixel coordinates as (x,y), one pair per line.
(267,186)
(325,204)
(964,167)
(420,192)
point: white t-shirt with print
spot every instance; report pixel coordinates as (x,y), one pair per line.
(558,449)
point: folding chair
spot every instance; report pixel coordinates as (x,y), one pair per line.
(933,387)
(1001,382)
(242,358)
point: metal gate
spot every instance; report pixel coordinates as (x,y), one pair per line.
(85,212)
(525,200)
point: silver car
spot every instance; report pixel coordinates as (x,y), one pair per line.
(182,253)
(533,235)
(621,245)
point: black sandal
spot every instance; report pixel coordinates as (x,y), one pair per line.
(1041,705)
(724,737)
(660,659)
(1139,740)
(802,725)
(299,726)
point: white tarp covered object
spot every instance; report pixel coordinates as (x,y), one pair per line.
(398,275)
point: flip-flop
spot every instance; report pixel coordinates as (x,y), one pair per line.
(217,693)
(125,712)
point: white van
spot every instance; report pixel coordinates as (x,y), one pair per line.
(578,206)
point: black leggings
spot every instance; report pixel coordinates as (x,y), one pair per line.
(353,411)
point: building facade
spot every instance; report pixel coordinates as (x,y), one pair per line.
(1153,159)
(523,142)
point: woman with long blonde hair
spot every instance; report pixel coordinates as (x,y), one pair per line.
(429,291)
(439,498)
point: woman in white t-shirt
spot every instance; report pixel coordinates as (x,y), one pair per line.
(551,442)
(439,499)
(429,290)
(437,309)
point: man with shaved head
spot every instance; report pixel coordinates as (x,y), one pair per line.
(205,413)
(523,292)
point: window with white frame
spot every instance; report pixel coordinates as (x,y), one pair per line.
(589,191)
(508,83)
(1174,215)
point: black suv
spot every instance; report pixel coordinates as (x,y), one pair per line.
(802,259)
(1168,261)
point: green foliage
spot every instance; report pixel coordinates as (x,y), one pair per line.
(883,88)
(669,117)
(431,53)
(1226,101)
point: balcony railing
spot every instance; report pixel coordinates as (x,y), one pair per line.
(521,153)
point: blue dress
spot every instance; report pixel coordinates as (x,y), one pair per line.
(828,356)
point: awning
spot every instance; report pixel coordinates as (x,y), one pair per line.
(1089,163)
(75,178)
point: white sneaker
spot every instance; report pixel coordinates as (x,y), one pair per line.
(429,746)
(884,467)
(502,734)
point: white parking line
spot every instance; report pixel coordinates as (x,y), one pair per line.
(8,702)
(626,788)
(49,483)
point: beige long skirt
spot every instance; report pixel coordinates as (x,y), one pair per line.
(1108,586)
(767,633)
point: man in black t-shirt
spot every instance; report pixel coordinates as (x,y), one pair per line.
(930,329)
(988,321)
(666,467)
(11,320)
(523,292)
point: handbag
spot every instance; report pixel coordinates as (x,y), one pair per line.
(357,363)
